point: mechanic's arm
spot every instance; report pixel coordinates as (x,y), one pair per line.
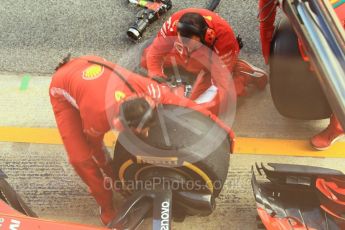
(71,130)
(227,49)
(161,46)
(223,61)
(95,128)
(267,15)
(222,79)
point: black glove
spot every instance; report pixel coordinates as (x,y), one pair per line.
(239,41)
(160,79)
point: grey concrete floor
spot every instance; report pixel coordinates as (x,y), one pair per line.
(42,176)
(35,35)
(256,115)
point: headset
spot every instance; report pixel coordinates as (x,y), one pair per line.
(206,34)
(141,122)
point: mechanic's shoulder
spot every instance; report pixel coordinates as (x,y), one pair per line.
(169,28)
(221,27)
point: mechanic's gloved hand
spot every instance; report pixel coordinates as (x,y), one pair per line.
(239,41)
(160,79)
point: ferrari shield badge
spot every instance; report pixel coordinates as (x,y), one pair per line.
(93,72)
(119,95)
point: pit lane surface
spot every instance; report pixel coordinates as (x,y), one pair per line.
(40,173)
(35,35)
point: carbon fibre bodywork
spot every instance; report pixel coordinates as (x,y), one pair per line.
(291,197)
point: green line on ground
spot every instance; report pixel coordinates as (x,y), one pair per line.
(25,82)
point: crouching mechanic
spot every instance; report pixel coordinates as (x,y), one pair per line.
(267,14)
(90,96)
(191,38)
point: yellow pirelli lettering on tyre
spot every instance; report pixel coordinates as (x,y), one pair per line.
(159,161)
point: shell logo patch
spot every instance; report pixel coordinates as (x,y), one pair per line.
(119,95)
(93,72)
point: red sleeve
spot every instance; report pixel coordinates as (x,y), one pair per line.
(267,15)
(222,78)
(226,46)
(71,130)
(98,150)
(161,46)
(223,60)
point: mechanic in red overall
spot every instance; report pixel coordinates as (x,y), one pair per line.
(199,39)
(267,13)
(90,96)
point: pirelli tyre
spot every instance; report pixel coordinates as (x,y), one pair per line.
(295,90)
(198,155)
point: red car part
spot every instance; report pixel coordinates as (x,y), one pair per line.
(12,219)
(299,197)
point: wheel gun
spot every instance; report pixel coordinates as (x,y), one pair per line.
(151,12)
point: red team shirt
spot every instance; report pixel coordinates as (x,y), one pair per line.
(217,59)
(166,43)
